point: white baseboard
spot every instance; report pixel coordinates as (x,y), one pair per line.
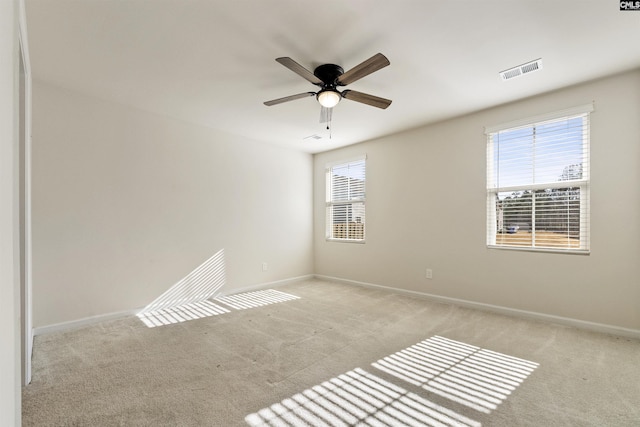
(79,323)
(581,324)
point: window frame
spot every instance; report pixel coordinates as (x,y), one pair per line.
(583,184)
(330,203)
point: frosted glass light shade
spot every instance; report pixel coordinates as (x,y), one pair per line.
(329,98)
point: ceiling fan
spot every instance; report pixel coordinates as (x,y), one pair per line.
(330,76)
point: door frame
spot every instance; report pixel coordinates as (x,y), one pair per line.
(24,207)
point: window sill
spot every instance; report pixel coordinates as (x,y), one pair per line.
(542,250)
(345,241)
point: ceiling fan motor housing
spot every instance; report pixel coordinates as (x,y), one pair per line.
(328,73)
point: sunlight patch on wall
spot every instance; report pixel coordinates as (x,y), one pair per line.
(255,299)
(357,398)
(187,299)
(199,285)
(478,378)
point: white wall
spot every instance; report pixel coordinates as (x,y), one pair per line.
(9,224)
(426,208)
(127,203)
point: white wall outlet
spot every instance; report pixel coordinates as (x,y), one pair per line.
(429,274)
(265,266)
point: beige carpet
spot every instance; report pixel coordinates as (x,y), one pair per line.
(335,355)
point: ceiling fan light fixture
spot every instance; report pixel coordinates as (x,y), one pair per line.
(329,98)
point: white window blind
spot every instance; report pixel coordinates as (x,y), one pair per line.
(538,184)
(346,200)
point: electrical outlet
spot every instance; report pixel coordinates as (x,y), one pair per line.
(429,274)
(265,266)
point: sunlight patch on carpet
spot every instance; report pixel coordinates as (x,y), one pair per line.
(213,307)
(357,398)
(182,313)
(475,377)
(255,299)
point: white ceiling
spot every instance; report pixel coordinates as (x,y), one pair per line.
(212,62)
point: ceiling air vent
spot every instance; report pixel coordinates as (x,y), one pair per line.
(316,137)
(529,67)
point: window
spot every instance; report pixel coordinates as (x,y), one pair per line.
(538,183)
(346,200)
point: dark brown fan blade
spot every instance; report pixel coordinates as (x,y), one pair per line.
(365,98)
(289,98)
(299,69)
(372,64)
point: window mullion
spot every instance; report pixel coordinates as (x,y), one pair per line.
(533,219)
(533,156)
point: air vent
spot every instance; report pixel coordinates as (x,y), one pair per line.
(315,136)
(529,67)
